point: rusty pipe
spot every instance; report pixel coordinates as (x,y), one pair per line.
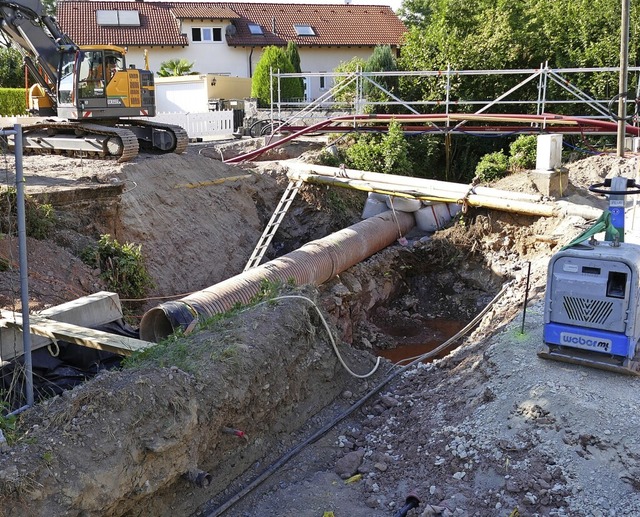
(314,263)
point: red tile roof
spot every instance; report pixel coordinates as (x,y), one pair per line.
(203,11)
(334,25)
(157,25)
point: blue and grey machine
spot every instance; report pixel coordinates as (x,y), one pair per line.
(592,307)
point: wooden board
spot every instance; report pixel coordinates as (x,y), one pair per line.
(58,331)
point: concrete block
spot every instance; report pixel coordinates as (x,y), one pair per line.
(632,144)
(551,183)
(549,152)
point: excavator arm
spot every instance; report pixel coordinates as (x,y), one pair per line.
(38,38)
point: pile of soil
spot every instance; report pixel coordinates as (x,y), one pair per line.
(486,430)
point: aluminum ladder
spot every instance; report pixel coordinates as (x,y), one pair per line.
(273,224)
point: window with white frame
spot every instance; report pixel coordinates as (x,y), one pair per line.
(323,84)
(304,30)
(206,34)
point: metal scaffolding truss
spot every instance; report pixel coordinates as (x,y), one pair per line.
(299,114)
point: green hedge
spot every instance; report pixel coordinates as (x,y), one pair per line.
(12,102)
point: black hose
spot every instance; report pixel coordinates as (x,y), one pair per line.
(614,112)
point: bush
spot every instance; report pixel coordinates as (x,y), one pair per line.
(386,154)
(12,102)
(121,266)
(523,152)
(492,166)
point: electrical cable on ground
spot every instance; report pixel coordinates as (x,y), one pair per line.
(331,338)
(320,433)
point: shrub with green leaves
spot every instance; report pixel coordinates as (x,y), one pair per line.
(121,266)
(386,154)
(12,102)
(523,152)
(492,166)
(39,217)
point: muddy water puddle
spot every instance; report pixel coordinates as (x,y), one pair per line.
(420,339)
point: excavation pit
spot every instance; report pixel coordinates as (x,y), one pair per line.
(126,442)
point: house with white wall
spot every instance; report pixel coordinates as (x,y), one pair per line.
(229,38)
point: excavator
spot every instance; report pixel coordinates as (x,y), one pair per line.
(95,106)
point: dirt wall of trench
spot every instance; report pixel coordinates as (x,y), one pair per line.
(121,444)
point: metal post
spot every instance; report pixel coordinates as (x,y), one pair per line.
(622,88)
(271,93)
(22,253)
(526,298)
(448,89)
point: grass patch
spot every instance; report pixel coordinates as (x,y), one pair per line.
(8,423)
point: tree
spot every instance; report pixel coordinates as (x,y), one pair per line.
(345,91)
(274,58)
(294,56)
(175,67)
(49,7)
(501,34)
(381,60)
(11,68)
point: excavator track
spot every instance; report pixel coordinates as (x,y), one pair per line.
(180,136)
(80,139)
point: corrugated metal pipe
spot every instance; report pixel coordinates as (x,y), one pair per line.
(314,263)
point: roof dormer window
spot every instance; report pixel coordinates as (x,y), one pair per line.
(304,30)
(255,29)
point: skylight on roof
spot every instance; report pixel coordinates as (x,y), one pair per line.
(114,17)
(304,30)
(255,29)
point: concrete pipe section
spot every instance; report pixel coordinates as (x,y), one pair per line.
(314,263)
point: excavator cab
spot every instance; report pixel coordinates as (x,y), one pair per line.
(94,82)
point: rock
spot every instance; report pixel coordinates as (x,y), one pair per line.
(348,465)
(389,402)
(382,467)
(372,502)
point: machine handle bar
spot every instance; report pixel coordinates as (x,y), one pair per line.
(631,184)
